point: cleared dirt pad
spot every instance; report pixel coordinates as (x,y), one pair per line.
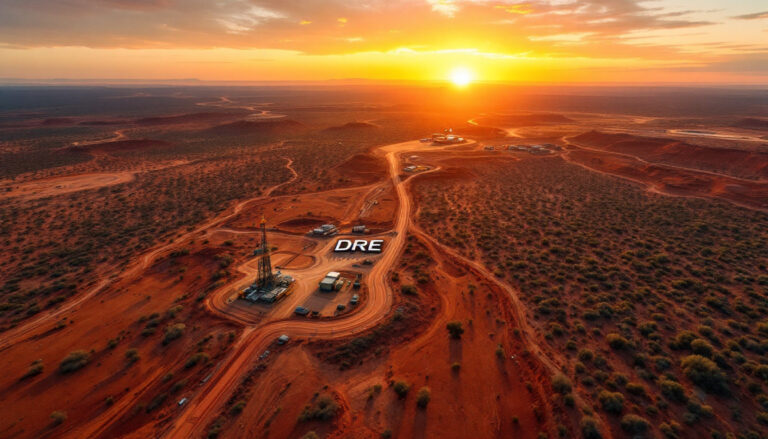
(62,185)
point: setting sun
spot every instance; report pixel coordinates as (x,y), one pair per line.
(461,76)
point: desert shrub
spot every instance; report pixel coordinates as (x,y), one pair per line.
(310,435)
(561,384)
(672,390)
(401,388)
(57,417)
(617,342)
(634,424)
(761,372)
(586,354)
(589,428)
(237,407)
(423,397)
(661,362)
(455,329)
(704,372)
(156,402)
(131,355)
(456,367)
(172,311)
(636,389)
(670,431)
(200,357)
(74,360)
(178,385)
(323,408)
(36,368)
(683,340)
(409,290)
(702,347)
(172,332)
(612,402)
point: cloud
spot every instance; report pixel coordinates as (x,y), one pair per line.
(753,16)
(584,28)
(445,7)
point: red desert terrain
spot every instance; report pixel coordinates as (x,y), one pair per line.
(553,274)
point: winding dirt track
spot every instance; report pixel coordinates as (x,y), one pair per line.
(18,334)
(212,396)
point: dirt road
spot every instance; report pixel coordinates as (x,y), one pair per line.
(205,405)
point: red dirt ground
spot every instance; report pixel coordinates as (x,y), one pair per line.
(676,181)
(733,162)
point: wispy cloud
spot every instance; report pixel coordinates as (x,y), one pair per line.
(753,16)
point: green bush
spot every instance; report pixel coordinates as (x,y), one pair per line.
(636,389)
(200,357)
(156,401)
(423,397)
(586,354)
(612,402)
(57,417)
(634,424)
(455,329)
(131,355)
(672,390)
(589,428)
(36,368)
(74,360)
(401,388)
(617,342)
(702,347)
(237,408)
(172,332)
(324,408)
(704,372)
(561,384)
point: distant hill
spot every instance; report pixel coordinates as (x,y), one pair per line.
(752,123)
(352,126)
(121,145)
(185,118)
(266,126)
(734,162)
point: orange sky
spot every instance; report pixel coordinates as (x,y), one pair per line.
(511,41)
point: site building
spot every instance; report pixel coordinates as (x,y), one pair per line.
(325,230)
(331,281)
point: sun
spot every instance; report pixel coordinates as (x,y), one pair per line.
(461,76)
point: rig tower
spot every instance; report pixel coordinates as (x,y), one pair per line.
(266,278)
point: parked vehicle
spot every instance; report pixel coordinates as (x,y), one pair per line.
(300,310)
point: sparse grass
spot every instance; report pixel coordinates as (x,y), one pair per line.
(195,359)
(35,368)
(667,289)
(132,355)
(74,360)
(322,408)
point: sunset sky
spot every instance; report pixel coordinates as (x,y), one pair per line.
(678,41)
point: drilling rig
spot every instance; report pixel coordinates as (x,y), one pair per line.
(266,279)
